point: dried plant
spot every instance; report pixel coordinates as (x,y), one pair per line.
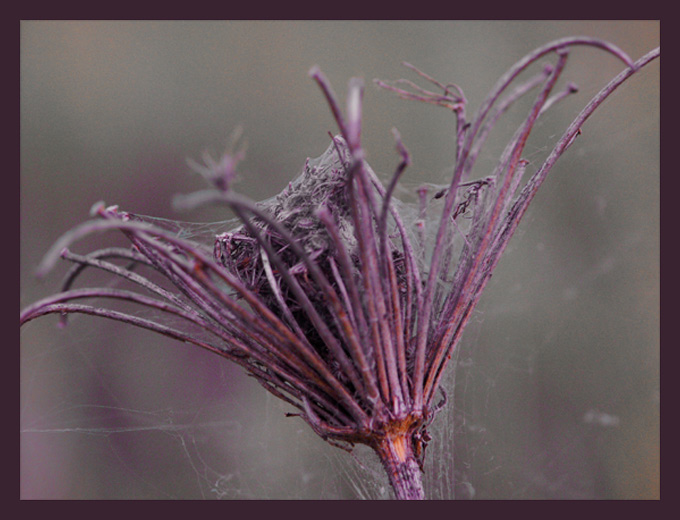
(324,293)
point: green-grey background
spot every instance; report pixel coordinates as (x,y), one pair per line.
(558,391)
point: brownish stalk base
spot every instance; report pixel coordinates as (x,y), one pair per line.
(396,455)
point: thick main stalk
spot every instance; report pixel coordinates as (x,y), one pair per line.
(397,456)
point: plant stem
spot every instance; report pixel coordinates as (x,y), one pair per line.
(397,456)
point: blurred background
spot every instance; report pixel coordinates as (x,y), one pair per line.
(557,386)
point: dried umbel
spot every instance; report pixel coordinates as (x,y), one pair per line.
(326,294)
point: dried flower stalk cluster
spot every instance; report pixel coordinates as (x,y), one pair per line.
(320,294)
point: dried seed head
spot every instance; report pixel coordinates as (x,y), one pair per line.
(337,315)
